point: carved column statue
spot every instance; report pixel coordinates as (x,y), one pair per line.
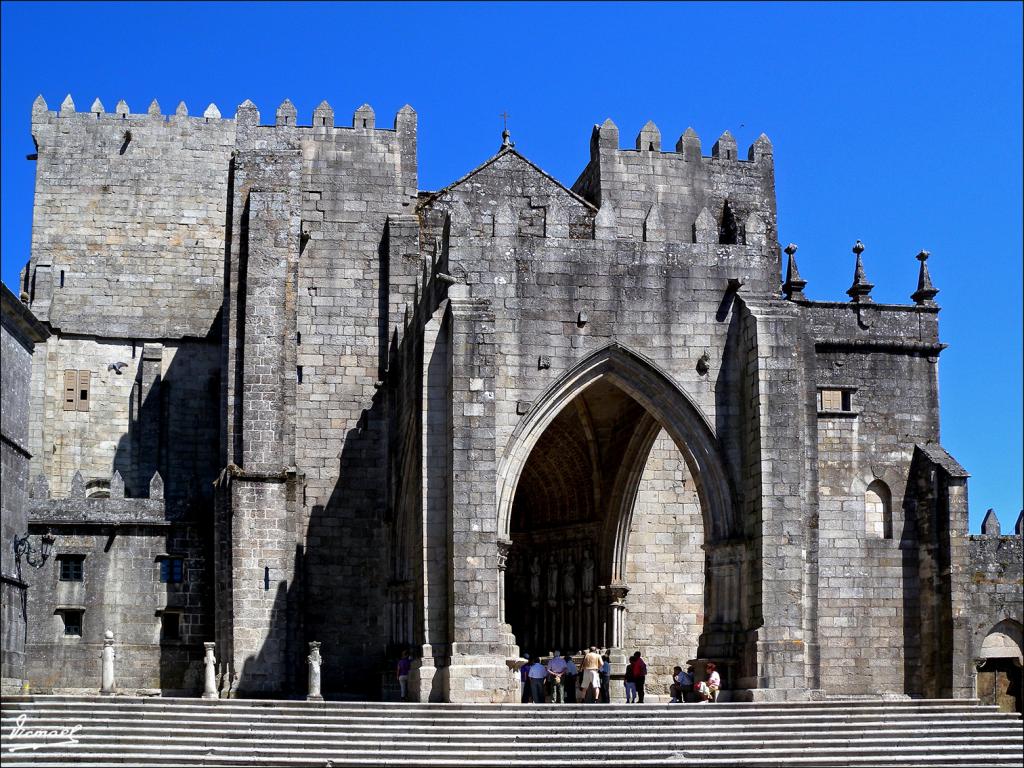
(587,595)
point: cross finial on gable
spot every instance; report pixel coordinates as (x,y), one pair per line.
(506,141)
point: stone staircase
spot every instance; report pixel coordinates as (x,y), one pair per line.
(193,732)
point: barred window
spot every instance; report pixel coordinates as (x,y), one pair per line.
(72,567)
(72,620)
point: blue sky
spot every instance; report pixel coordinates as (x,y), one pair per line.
(899,124)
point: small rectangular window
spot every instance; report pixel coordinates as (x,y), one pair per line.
(84,378)
(172,570)
(70,390)
(72,567)
(170,626)
(298,374)
(72,622)
(830,400)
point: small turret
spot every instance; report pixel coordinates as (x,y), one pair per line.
(725,147)
(608,135)
(990,525)
(286,113)
(39,106)
(925,294)
(860,291)
(649,138)
(654,231)
(689,145)
(182,110)
(323,115)
(760,150)
(793,288)
(67,107)
(247,115)
(364,117)
(116,485)
(405,120)
(705,230)
(154,109)
(97,107)
(121,110)
(77,490)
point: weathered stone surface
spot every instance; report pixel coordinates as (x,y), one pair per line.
(20,333)
(503,412)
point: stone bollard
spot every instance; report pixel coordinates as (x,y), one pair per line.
(314,660)
(107,675)
(210,673)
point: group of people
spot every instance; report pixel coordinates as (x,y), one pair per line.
(685,687)
(561,681)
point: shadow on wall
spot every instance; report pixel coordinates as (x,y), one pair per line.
(729,426)
(357,579)
(170,432)
(911,561)
(285,619)
(169,426)
(346,564)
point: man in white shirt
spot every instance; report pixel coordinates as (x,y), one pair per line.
(556,672)
(537,674)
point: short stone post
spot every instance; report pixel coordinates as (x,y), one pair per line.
(210,673)
(314,660)
(107,675)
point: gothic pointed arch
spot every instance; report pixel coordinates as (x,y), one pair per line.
(663,399)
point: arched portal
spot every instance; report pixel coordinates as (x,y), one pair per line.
(999,664)
(568,489)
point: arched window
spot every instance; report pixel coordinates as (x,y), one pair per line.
(878,510)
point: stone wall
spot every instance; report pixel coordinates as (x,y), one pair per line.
(994,588)
(123,542)
(19,334)
(868,587)
(557,300)
(327,374)
(666,602)
(149,409)
(645,194)
(129,221)
(387,361)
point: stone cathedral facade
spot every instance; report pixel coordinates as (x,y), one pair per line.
(288,396)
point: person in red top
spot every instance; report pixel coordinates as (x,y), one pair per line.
(639,667)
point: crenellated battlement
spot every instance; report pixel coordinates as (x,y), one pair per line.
(97,504)
(122,114)
(605,137)
(247,113)
(680,195)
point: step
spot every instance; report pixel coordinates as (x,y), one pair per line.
(194,732)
